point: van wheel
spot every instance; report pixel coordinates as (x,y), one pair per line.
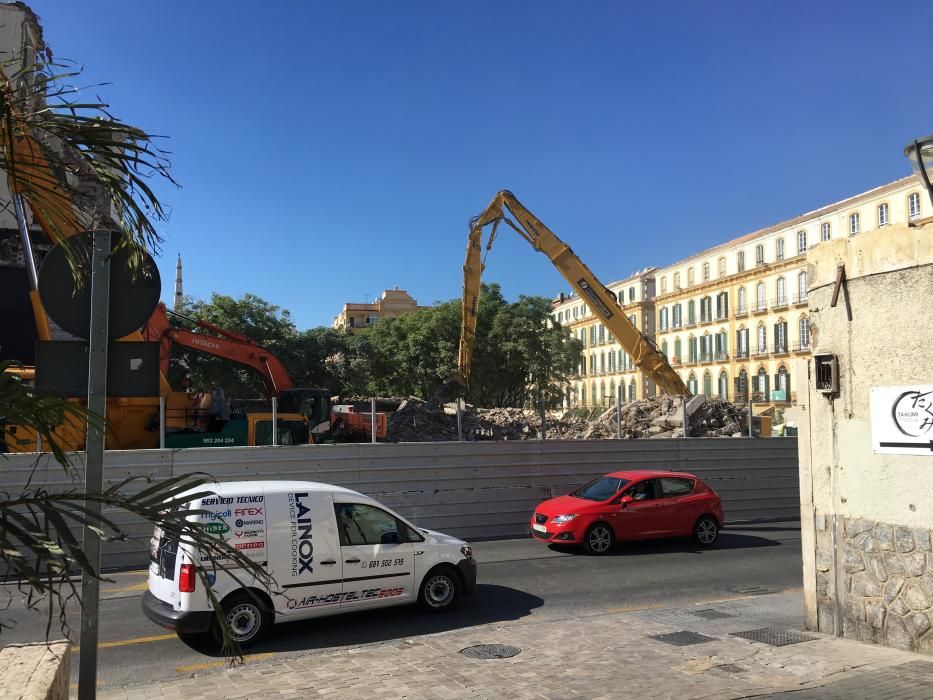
(248,618)
(440,590)
(599,539)
(706,531)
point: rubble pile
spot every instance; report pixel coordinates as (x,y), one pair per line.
(656,417)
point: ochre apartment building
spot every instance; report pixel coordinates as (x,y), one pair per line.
(731,318)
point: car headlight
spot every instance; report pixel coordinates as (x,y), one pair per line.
(561,519)
(467,551)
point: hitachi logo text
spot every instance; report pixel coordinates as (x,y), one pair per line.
(302,547)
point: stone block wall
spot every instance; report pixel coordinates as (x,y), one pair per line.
(885,586)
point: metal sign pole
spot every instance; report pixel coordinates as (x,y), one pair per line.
(683,417)
(161,422)
(94,459)
(750,434)
(459,419)
(543,418)
(275,420)
(372,418)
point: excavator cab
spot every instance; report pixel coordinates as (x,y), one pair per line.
(312,403)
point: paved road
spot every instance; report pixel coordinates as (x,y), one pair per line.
(518,580)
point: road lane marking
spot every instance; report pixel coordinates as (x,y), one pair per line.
(126,642)
(700,601)
(135,587)
(204,665)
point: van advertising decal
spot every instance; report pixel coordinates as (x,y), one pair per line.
(302,549)
(247,514)
(317,601)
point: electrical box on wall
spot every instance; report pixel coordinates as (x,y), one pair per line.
(827,374)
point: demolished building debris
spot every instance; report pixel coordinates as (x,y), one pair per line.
(656,417)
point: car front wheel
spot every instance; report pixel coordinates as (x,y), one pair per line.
(599,539)
(706,531)
(440,590)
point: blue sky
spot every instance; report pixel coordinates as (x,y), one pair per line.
(327,151)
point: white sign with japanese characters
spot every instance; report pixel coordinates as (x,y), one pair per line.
(902,420)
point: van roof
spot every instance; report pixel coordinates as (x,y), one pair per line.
(228,488)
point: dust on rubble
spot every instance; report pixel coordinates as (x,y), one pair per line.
(655,417)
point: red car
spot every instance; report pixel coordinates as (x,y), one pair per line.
(630,505)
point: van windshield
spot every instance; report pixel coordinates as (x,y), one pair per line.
(602,488)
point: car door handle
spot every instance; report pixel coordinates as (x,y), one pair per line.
(351,561)
(420,551)
(328,562)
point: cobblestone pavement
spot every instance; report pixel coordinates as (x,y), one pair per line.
(601,656)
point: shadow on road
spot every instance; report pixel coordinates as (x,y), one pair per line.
(727,540)
(488,603)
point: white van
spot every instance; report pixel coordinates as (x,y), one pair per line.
(329,549)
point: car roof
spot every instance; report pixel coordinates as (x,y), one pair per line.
(639,474)
(231,488)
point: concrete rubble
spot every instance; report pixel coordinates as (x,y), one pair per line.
(656,418)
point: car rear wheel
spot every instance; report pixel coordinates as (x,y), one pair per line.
(247,618)
(440,590)
(706,531)
(599,539)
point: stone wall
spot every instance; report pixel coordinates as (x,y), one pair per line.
(37,671)
(886,587)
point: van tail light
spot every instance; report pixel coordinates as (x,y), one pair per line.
(186,578)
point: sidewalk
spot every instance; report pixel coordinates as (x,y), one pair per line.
(602,656)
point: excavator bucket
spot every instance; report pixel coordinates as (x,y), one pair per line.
(447,391)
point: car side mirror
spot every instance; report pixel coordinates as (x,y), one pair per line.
(390,538)
(625,500)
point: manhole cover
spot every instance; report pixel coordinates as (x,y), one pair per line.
(775,636)
(710,614)
(682,638)
(755,590)
(731,668)
(491,651)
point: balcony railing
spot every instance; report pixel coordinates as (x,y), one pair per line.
(798,299)
(722,317)
(780,349)
(741,312)
(801,347)
(721,356)
(691,361)
(760,352)
(760,308)
(779,303)
(741,354)
(692,323)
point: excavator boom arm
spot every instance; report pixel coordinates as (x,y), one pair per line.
(643,352)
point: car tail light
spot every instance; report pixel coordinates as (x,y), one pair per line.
(186,578)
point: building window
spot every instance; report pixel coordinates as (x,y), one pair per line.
(742,384)
(692,349)
(883,215)
(779,249)
(801,242)
(593,363)
(759,255)
(663,285)
(743,306)
(583,336)
(780,336)
(631,293)
(707,383)
(634,319)
(691,312)
(602,334)
(722,305)
(593,392)
(592,335)
(781,290)
(825,232)
(741,343)
(678,358)
(913,206)
(705,272)
(690,279)
(692,383)
(602,363)
(740,261)
(783,382)
(722,267)
(677,316)
(583,394)
(804,326)
(760,302)
(662,321)
(853,223)
(761,382)
(664,348)
(802,286)
(722,350)
(762,340)
(676,280)
(723,385)
(706,309)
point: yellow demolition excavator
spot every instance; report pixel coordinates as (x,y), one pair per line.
(644,353)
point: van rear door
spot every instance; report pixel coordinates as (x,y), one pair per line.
(163,564)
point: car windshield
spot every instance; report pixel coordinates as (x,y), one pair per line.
(601,488)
